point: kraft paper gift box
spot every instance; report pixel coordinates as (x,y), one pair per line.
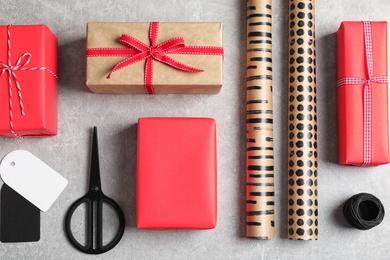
(176,173)
(363,138)
(28,81)
(189,46)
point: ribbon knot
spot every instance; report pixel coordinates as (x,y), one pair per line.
(22,61)
(153,52)
(138,51)
(367,93)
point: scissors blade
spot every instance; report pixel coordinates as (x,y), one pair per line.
(94,182)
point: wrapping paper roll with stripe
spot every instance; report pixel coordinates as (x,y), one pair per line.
(302,126)
(259,122)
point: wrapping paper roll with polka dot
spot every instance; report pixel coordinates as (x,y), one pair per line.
(259,122)
(302,124)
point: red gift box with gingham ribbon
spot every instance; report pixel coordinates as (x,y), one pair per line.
(362,93)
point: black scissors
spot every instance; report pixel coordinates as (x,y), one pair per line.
(95,197)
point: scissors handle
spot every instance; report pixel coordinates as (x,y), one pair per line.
(98,248)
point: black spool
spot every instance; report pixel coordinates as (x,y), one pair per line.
(364,211)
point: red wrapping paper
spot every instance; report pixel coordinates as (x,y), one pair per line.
(176,173)
(38,87)
(351,59)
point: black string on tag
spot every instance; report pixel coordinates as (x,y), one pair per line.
(364,211)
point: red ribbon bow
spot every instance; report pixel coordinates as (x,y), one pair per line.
(139,51)
(367,100)
(20,64)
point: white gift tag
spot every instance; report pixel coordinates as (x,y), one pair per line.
(32,178)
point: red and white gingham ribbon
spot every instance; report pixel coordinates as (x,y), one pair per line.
(367,95)
(20,64)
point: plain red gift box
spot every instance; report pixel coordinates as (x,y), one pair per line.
(38,87)
(351,62)
(176,173)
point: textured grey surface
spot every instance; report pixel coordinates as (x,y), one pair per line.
(116,116)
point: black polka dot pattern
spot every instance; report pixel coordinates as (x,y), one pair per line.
(302,162)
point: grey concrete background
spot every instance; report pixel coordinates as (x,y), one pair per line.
(116,116)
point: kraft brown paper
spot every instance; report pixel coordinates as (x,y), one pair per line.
(259,122)
(165,79)
(302,149)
